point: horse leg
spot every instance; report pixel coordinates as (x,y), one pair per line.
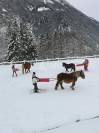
(72,86)
(61,85)
(74,68)
(66,69)
(57,84)
(27,70)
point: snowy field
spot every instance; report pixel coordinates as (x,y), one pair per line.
(61,111)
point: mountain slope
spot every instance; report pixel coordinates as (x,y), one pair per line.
(76,34)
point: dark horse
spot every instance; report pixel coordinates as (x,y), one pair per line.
(67,66)
(26,67)
(69,78)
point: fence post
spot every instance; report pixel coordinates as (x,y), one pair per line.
(23,68)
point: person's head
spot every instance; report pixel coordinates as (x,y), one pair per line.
(34,73)
(12,65)
(86,59)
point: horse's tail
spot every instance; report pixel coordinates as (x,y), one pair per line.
(57,78)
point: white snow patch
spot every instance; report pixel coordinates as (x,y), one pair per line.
(48,1)
(4,10)
(43,9)
(63,2)
(22,111)
(3,30)
(30,8)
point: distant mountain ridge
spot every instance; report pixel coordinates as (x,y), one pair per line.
(80,33)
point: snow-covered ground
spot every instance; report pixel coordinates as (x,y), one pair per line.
(61,111)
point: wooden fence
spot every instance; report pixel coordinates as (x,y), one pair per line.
(46,60)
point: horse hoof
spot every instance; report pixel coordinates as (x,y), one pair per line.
(73,89)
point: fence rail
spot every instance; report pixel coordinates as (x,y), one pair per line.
(46,60)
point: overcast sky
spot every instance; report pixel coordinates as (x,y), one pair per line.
(89,7)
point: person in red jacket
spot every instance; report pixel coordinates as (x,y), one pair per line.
(86,63)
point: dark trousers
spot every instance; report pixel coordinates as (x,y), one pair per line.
(86,67)
(35,87)
(14,72)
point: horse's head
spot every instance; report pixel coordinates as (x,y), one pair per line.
(82,75)
(63,64)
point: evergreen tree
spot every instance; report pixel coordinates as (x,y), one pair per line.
(13,46)
(22,43)
(28,44)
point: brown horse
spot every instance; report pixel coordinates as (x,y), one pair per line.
(26,67)
(69,78)
(71,66)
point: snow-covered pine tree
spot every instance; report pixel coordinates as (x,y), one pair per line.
(28,43)
(13,46)
(22,42)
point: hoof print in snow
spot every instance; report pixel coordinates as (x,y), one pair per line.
(78,120)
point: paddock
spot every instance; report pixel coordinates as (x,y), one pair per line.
(23,111)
